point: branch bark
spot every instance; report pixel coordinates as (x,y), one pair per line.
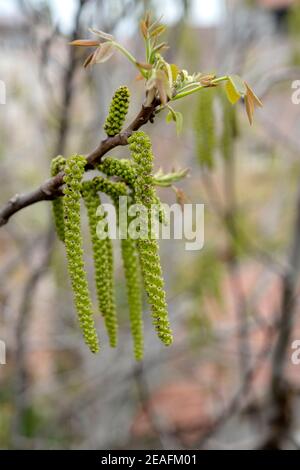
(52,188)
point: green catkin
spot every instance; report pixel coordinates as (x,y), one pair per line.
(134,294)
(144,193)
(122,168)
(57,165)
(204,127)
(131,265)
(117,111)
(112,189)
(230,128)
(103,264)
(74,170)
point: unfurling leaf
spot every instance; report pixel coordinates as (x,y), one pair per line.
(179,122)
(88,60)
(235,88)
(177,117)
(158,30)
(232,95)
(142,65)
(251,100)
(170,117)
(101,34)
(144,29)
(102,53)
(84,43)
(175,71)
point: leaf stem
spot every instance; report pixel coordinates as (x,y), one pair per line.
(200,87)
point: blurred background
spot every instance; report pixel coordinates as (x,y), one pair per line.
(228,381)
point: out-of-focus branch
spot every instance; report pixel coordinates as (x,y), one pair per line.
(67,84)
(21,381)
(280,392)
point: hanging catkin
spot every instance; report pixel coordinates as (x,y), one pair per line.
(58,165)
(129,252)
(117,111)
(134,294)
(74,170)
(103,264)
(204,127)
(230,129)
(122,168)
(144,194)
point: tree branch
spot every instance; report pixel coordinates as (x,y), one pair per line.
(51,188)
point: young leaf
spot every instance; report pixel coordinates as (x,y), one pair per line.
(177,117)
(88,60)
(231,93)
(169,117)
(238,84)
(144,29)
(235,88)
(158,30)
(179,122)
(103,53)
(175,71)
(84,43)
(142,65)
(251,100)
(253,96)
(101,34)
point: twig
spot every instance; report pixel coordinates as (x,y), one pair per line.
(51,188)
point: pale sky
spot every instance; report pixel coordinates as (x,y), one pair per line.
(203,12)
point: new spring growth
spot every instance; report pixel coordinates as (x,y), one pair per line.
(144,194)
(134,294)
(58,165)
(74,170)
(117,111)
(204,125)
(122,168)
(128,249)
(103,263)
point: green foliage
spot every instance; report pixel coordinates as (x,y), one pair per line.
(74,170)
(58,165)
(144,194)
(103,264)
(117,111)
(204,126)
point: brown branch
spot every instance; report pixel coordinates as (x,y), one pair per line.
(51,188)
(281,415)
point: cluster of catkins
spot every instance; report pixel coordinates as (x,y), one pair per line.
(142,267)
